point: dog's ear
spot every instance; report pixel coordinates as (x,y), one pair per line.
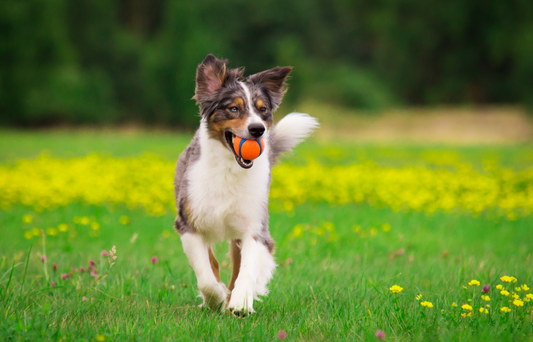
(210,77)
(273,81)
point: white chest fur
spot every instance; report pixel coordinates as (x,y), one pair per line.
(227,201)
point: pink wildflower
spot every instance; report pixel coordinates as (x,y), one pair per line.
(74,270)
(154,259)
(94,273)
(282,335)
(43,258)
(91,263)
(380,335)
(486,289)
(104,253)
(54,267)
(64,276)
(53,284)
(84,298)
(82,269)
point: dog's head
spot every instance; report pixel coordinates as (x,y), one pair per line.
(234,106)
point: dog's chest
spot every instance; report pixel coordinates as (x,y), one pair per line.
(226,201)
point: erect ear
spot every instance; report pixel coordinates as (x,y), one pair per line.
(210,77)
(273,81)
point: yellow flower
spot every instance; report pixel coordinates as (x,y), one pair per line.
(454,304)
(529,296)
(427,304)
(525,288)
(504,293)
(486,298)
(36,232)
(418,297)
(27,219)
(464,314)
(483,310)
(474,282)
(100,338)
(95,226)
(505,309)
(515,296)
(85,220)
(386,227)
(467,307)
(51,231)
(518,302)
(28,235)
(508,279)
(518,289)
(124,220)
(396,289)
(499,286)
(62,227)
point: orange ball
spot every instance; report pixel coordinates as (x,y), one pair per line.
(248,149)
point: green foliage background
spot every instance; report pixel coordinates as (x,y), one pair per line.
(134,61)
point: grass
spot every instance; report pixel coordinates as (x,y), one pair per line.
(337,263)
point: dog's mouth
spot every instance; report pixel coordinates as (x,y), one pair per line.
(245,164)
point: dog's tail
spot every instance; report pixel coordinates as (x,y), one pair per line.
(290,131)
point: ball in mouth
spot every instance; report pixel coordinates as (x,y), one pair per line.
(244,150)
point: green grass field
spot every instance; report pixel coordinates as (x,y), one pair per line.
(337,263)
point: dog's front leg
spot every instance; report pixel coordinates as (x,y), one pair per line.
(213,292)
(257,265)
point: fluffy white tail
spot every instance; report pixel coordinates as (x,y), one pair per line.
(290,131)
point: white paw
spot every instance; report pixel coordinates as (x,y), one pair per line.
(241,302)
(214,296)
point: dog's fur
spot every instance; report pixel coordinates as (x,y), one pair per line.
(219,196)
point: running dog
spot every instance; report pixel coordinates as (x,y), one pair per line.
(221,196)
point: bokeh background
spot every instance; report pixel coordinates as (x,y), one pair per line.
(113,62)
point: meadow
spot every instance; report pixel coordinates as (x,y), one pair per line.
(400,242)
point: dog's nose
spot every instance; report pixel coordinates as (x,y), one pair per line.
(256,129)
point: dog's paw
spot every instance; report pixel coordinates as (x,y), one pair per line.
(214,296)
(241,303)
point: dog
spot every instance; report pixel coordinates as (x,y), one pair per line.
(219,195)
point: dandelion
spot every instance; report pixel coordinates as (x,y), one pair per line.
(467,307)
(499,287)
(84,298)
(396,289)
(62,227)
(427,304)
(43,259)
(504,293)
(282,335)
(64,276)
(380,335)
(474,282)
(486,298)
(154,259)
(27,219)
(85,220)
(486,289)
(518,302)
(454,305)
(525,287)
(505,309)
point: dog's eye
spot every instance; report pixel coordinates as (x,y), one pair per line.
(263,109)
(234,109)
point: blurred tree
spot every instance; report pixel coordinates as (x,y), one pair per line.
(95,61)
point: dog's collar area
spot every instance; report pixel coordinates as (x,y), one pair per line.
(245,164)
